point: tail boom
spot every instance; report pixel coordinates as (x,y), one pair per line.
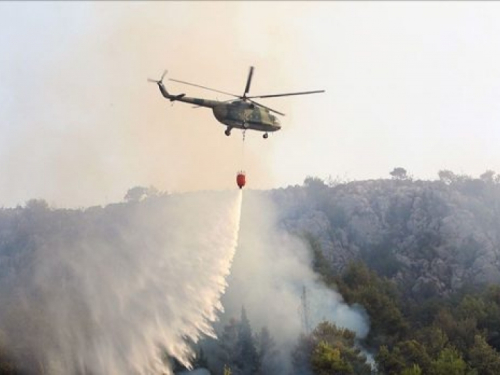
(185,99)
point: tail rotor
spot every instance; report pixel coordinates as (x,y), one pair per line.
(161,79)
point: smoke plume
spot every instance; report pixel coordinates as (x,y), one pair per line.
(271,270)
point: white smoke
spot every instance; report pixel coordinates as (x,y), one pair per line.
(112,290)
(270,271)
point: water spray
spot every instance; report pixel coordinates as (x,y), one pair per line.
(117,290)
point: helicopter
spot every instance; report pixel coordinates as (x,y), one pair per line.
(241,113)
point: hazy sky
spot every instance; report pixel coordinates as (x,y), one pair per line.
(408,84)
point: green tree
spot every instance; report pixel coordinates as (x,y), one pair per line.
(37,205)
(449,362)
(301,354)
(314,183)
(459,331)
(390,362)
(326,360)
(447,176)
(415,353)
(139,193)
(399,173)
(329,339)
(227,344)
(267,353)
(432,338)
(317,190)
(329,350)
(247,360)
(200,359)
(320,264)
(381,300)
(483,357)
(413,370)
(488,176)
(7,366)
(402,357)
(491,323)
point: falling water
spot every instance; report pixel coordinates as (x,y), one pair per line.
(116,290)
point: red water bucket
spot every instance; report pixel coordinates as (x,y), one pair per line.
(240,179)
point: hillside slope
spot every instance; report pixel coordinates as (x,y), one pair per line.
(430,236)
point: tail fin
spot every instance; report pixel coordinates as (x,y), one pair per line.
(163,89)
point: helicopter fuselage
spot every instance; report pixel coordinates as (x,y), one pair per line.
(243,115)
(238,114)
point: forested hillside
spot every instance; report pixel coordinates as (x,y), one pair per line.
(431,237)
(421,258)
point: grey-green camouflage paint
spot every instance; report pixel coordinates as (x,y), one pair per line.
(236,114)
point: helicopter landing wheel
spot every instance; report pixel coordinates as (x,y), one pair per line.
(227,132)
(265,136)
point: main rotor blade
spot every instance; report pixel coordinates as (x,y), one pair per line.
(287,94)
(249,81)
(270,109)
(203,87)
